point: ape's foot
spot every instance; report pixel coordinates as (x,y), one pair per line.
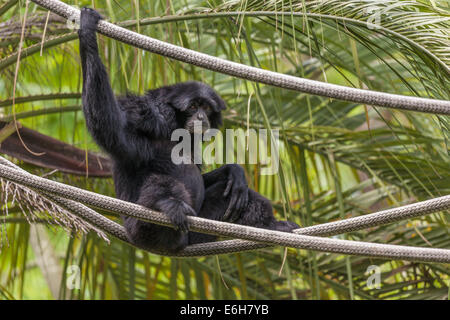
(151,236)
(177,210)
(285,226)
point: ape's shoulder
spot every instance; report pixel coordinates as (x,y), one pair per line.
(148,114)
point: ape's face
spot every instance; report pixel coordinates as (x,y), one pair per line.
(197,116)
(197,106)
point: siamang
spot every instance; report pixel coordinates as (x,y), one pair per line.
(136,132)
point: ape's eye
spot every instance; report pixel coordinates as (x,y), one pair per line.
(192,107)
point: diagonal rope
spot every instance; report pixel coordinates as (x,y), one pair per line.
(268,237)
(255,74)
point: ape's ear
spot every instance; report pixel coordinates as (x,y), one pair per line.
(215,120)
(220,105)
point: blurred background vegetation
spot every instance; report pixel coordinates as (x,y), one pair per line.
(339,159)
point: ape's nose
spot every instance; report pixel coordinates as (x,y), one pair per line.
(200,116)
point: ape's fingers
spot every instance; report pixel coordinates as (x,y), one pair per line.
(244,200)
(91,12)
(179,220)
(241,205)
(185,227)
(228,188)
(231,207)
(236,215)
(237,210)
(244,203)
(227,214)
(190,211)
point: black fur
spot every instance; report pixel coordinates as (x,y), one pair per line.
(136,132)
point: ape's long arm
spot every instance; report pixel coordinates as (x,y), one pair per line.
(104,118)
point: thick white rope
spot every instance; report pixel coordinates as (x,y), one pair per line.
(254,74)
(269,237)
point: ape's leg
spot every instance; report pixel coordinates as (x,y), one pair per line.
(163,194)
(258,212)
(236,188)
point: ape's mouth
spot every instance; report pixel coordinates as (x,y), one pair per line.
(197,126)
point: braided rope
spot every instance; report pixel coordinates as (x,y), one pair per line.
(268,237)
(78,209)
(379,218)
(252,73)
(331,228)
